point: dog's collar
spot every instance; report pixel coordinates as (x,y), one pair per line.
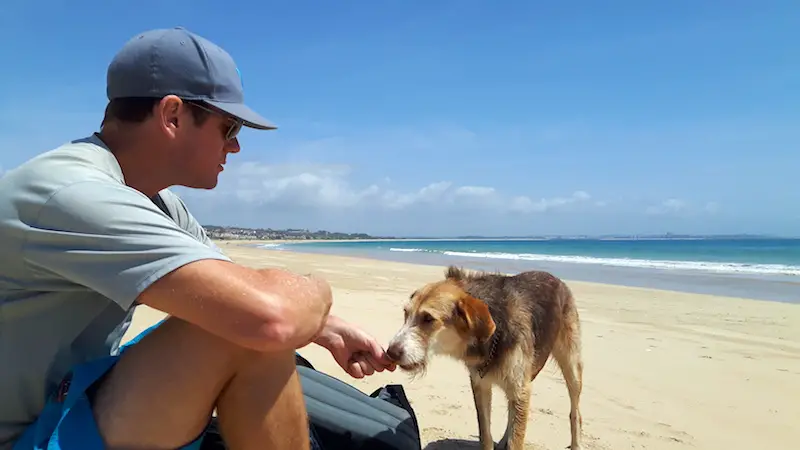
(485,366)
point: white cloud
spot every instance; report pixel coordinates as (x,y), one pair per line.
(712,207)
(671,206)
(306,187)
(339,197)
(675,207)
(298,185)
(523,204)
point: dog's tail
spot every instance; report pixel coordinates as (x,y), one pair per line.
(567,353)
(568,343)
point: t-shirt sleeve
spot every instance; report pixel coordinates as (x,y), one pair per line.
(109,238)
(184,218)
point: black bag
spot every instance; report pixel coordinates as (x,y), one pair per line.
(342,417)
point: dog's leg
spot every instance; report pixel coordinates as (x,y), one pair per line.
(482,393)
(569,360)
(519,400)
(503,444)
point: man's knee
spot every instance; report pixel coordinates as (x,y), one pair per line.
(165,387)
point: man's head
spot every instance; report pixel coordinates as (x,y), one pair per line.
(180,97)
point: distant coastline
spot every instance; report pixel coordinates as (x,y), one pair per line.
(226,233)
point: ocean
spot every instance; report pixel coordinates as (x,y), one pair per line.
(765,269)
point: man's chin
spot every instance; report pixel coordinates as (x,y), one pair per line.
(207,185)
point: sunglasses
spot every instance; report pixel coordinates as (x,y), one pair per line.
(233,128)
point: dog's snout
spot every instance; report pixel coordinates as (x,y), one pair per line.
(395,352)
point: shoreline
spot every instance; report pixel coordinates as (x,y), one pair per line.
(533,238)
(758,288)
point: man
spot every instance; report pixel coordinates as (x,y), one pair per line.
(89,230)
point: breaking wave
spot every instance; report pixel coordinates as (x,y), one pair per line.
(707,266)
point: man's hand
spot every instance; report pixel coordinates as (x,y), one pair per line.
(358,353)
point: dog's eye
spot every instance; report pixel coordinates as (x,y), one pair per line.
(426,318)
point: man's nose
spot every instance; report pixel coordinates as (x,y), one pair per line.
(232,146)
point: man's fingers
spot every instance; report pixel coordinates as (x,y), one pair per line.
(366,367)
(355,370)
(375,364)
(379,355)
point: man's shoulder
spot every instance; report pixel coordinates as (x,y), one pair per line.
(175,208)
(76,161)
(171,198)
(180,213)
(25,190)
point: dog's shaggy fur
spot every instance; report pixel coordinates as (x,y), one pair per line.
(503,328)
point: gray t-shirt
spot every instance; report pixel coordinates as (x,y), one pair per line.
(77,247)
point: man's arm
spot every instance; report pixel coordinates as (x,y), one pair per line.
(357,352)
(257,310)
(115,241)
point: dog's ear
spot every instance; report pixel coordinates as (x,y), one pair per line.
(454,273)
(473,317)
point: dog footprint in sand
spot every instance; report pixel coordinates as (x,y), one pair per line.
(674,434)
(448,409)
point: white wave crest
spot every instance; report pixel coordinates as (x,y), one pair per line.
(273,246)
(708,266)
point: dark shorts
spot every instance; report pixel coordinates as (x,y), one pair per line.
(67,422)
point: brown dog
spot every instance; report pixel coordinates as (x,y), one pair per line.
(504,328)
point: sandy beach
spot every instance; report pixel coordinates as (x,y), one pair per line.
(663,370)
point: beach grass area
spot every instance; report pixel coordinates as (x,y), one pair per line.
(663,369)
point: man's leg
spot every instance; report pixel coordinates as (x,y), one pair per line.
(164,388)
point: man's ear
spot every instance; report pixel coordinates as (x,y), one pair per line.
(167,111)
(473,318)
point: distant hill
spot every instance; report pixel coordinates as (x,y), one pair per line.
(225,232)
(222,233)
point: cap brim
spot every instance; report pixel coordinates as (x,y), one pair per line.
(249,117)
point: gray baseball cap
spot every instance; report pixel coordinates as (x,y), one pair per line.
(178,62)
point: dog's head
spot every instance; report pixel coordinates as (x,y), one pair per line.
(440,318)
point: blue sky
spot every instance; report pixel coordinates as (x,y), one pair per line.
(458,117)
